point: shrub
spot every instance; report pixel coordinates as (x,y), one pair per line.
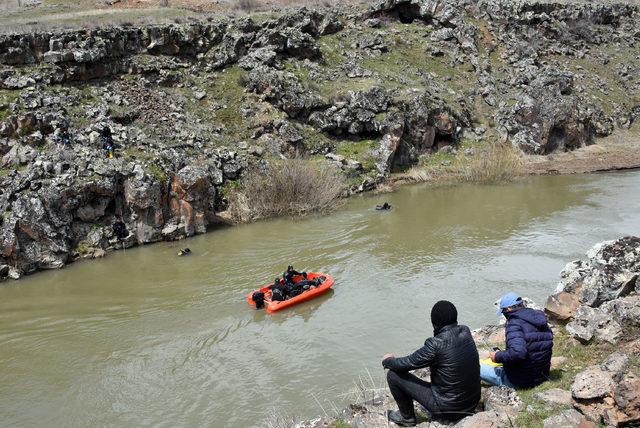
(292,187)
(496,162)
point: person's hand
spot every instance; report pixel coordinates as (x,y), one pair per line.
(492,355)
(388,356)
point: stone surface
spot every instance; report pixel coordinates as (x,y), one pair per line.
(555,396)
(488,419)
(592,383)
(627,399)
(489,335)
(570,418)
(594,324)
(561,306)
(503,400)
(625,310)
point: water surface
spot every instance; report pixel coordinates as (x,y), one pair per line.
(145,338)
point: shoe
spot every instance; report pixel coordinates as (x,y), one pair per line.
(396,417)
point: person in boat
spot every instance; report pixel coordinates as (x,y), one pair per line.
(454,390)
(290,273)
(383,207)
(184,252)
(278,290)
(297,288)
(526,361)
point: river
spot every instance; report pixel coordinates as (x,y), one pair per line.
(146,338)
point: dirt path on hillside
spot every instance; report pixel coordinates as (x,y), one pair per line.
(618,151)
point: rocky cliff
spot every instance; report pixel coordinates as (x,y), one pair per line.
(191,107)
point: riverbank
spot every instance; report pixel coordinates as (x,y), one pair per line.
(193,108)
(595,374)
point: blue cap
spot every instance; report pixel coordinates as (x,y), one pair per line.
(509,299)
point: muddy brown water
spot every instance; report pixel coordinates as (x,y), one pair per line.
(145,338)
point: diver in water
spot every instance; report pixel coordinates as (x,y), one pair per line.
(383,207)
(184,252)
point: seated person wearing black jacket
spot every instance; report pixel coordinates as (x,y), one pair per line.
(454,391)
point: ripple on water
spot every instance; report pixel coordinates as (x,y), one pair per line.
(148,338)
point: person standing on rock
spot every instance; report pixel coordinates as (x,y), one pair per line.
(451,354)
(527,360)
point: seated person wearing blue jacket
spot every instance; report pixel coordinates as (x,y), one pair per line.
(529,342)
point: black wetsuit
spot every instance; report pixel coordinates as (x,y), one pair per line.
(289,274)
(278,290)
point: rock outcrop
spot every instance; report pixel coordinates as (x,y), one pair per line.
(599,295)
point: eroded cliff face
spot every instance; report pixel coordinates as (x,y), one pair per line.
(191,107)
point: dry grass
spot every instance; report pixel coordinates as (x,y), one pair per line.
(495,163)
(290,187)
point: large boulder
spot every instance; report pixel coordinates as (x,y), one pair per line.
(610,271)
(549,116)
(615,266)
(409,10)
(608,392)
(561,306)
(625,310)
(592,383)
(355,114)
(285,91)
(627,399)
(594,324)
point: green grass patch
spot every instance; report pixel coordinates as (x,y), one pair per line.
(331,48)
(7,96)
(314,139)
(618,92)
(225,90)
(4,113)
(159,173)
(360,151)
(340,423)
(297,69)
(436,159)
(136,153)
(401,69)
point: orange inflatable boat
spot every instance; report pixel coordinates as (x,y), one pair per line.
(275,305)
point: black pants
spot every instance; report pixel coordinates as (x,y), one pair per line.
(405,388)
